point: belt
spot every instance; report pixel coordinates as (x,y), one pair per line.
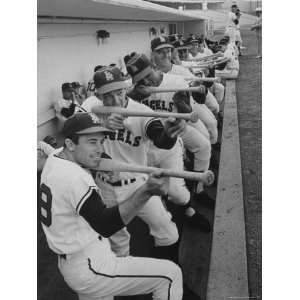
(120,182)
(64,256)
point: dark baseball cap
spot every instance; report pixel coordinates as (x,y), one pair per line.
(138,66)
(66,86)
(109,79)
(223,41)
(180,45)
(83,123)
(76,84)
(160,43)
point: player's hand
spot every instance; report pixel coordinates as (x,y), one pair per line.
(142,90)
(218,80)
(41,159)
(157,184)
(174,127)
(115,122)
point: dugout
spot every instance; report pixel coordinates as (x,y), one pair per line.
(68,47)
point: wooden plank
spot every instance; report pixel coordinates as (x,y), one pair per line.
(228,268)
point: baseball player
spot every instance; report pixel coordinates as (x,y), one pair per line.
(129,142)
(77,223)
(231,70)
(143,75)
(232,22)
(257,26)
(161,55)
(68,105)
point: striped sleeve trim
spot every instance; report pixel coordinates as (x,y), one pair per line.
(85,196)
(148,123)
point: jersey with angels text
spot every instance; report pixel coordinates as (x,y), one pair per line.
(130,145)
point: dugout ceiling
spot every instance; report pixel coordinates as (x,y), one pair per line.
(110,10)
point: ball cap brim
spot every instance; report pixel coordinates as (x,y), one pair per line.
(83,123)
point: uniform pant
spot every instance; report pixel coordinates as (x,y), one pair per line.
(153,213)
(218,90)
(231,32)
(212,103)
(171,159)
(209,120)
(259,48)
(96,273)
(200,146)
(228,73)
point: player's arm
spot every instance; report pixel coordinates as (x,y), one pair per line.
(164,135)
(107,221)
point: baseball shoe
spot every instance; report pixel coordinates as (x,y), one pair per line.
(204,199)
(198,221)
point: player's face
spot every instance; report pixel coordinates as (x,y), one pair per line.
(68,94)
(153,79)
(114,98)
(162,57)
(194,48)
(175,56)
(201,48)
(183,54)
(89,149)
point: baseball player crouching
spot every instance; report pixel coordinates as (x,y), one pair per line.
(129,143)
(77,223)
(139,67)
(231,70)
(161,55)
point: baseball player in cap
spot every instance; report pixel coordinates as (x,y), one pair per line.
(129,142)
(162,60)
(143,75)
(68,105)
(231,69)
(232,22)
(77,223)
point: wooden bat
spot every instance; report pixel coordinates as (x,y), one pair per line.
(213,56)
(208,63)
(202,79)
(111,165)
(169,90)
(107,110)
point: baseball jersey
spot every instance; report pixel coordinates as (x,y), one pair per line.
(130,145)
(64,188)
(164,101)
(89,102)
(230,20)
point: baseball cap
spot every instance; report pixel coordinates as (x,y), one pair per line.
(75,84)
(83,123)
(191,40)
(223,41)
(180,45)
(138,66)
(160,43)
(66,86)
(258,9)
(109,79)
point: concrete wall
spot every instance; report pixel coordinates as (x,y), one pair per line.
(194,27)
(69,52)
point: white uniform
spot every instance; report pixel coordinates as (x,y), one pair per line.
(86,260)
(206,116)
(231,70)
(130,145)
(231,27)
(192,137)
(89,102)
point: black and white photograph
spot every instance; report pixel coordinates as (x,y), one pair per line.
(149,149)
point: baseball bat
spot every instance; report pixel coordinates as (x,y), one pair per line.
(213,56)
(169,90)
(106,110)
(202,79)
(110,165)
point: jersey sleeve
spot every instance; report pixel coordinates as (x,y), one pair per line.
(81,186)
